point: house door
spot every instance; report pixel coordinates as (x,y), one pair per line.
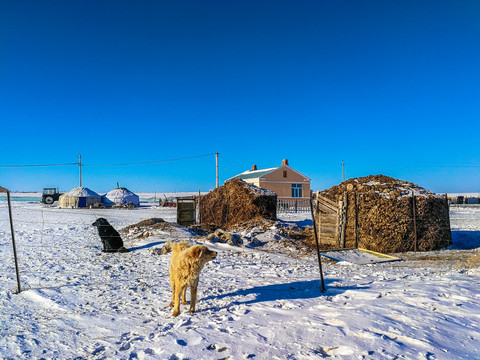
(82,202)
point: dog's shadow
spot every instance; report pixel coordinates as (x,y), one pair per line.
(298,290)
(146,246)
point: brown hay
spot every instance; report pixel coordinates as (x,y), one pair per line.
(145,228)
(153,223)
(385,215)
(471,262)
(237,203)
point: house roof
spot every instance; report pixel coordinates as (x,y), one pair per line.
(255,174)
(120,192)
(80,191)
(119,195)
(3,190)
(249,174)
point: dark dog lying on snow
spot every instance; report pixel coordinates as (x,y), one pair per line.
(111,240)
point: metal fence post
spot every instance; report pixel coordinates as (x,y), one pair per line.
(13,241)
(318,247)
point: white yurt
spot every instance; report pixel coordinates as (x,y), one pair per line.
(79,197)
(121,196)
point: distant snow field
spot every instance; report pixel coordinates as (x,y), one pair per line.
(79,303)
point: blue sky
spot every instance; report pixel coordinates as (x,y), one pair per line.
(389,87)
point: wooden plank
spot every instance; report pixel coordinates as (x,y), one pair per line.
(326,208)
(382,255)
(330,207)
(328,201)
(341,249)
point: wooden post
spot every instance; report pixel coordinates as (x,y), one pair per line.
(414,221)
(199,208)
(356,220)
(345,209)
(337,223)
(318,248)
(13,241)
(343,221)
(317,211)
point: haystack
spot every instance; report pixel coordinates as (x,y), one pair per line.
(237,202)
(79,197)
(383,214)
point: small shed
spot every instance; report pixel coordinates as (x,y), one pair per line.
(121,196)
(79,197)
(235,203)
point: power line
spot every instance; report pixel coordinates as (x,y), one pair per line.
(153,162)
(119,164)
(37,165)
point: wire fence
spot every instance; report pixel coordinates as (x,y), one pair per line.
(61,248)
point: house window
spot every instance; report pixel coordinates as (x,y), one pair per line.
(296,190)
(284,173)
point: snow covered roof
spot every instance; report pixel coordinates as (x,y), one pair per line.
(121,195)
(120,192)
(80,191)
(254,174)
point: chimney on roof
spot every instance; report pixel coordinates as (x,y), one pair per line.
(254,167)
(284,162)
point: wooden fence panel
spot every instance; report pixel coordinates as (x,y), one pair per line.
(327,220)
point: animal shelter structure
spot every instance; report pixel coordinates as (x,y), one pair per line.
(121,196)
(80,197)
(237,202)
(382,214)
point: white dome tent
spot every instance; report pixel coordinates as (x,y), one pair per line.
(79,197)
(121,196)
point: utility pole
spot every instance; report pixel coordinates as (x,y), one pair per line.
(343,170)
(216,163)
(80,167)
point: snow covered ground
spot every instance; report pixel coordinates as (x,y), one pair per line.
(79,303)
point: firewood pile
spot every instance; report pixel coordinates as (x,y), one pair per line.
(387,215)
(237,203)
